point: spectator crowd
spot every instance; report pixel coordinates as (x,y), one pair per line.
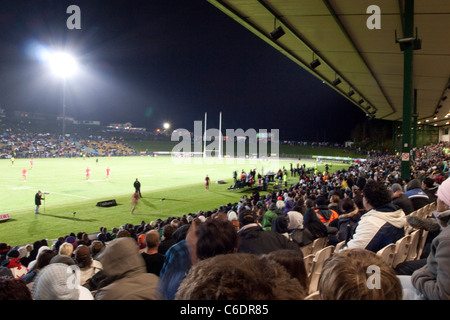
(22,143)
(253,249)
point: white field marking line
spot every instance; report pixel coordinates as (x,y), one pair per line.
(20,209)
(27,188)
(69,195)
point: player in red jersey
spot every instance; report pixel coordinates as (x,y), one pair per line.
(88,173)
(134,201)
(108,172)
(24,174)
(207,183)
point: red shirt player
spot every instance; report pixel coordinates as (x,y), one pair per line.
(24,174)
(134,201)
(88,173)
(207,183)
(31,162)
(108,172)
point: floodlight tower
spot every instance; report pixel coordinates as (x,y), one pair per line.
(63,66)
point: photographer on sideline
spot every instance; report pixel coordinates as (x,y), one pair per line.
(38,201)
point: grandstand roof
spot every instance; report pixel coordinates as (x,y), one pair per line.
(369,62)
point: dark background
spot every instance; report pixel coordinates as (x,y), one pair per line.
(153,61)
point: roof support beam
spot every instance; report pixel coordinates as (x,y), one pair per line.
(352,43)
(408,56)
(316,52)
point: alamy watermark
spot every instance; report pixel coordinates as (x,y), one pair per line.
(241,146)
(374,278)
(374,21)
(74,21)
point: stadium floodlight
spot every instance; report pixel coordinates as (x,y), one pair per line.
(166,125)
(62,64)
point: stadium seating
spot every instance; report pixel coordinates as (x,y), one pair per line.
(315,246)
(401,250)
(339,246)
(308,260)
(414,245)
(317,265)
(388,254)
(422,241)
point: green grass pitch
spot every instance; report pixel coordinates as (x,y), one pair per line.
(180,184)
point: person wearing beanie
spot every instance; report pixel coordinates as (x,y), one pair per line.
(432,281)
(59,281)
(72,240)
(17,269)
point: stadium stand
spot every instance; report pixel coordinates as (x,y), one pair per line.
(21,143)
(431,161)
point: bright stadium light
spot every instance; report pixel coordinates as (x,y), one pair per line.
(166,125)
(62,64)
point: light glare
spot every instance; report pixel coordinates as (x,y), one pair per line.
(62,64)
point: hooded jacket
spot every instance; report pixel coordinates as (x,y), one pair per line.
(325,214)
(125,267)
(378,227)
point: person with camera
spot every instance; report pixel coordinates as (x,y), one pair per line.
(38,201)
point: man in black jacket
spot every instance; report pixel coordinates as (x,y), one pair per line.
(400,199)
(137,187)
(430,189)
(253,239)
(38,201)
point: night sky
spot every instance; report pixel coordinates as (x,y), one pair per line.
(148,62)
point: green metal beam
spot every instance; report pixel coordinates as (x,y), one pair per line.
(408,56)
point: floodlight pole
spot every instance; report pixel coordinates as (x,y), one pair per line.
(220,135)
(64,108)
(204,138)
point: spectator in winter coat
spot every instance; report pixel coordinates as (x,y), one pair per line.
(400,199)
(126,273)
(430,189)
(253,239)
(348,219)
(432,281)
(382,224)
(418,197)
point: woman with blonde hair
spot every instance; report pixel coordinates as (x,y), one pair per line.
(66,249)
